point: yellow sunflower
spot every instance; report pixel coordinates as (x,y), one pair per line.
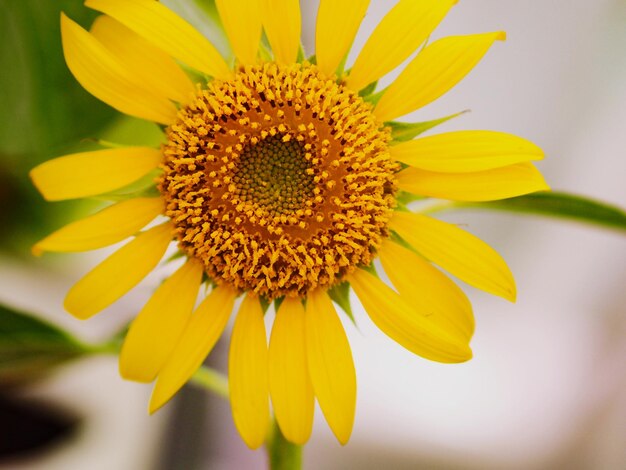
(281,179)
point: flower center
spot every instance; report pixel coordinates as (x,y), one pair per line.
(279,180)
(275,175)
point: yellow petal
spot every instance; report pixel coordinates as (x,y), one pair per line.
(109,226)
(465,151)
(196,341)
(330,364)
(434,71)
(282,23)
(162,27)
(290,384)
(91,173)
(398,35)
(488,185)
(396,319)
(148,64)
(119,273)
(337,25)
(457,251)
(427,290)
(242,22)
(106,78)
(248,374)
(154,333)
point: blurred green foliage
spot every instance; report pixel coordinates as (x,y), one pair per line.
(43,112)
(30,347)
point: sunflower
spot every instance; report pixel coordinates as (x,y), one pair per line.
(281,179)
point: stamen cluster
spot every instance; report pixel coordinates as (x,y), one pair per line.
(279,180)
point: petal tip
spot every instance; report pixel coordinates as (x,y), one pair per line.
(512,296)
(157,400)
(133,374)
(153,407)
(37,250)
(70,306)
(34,176)
(66,23)
(467,357)
(508,291)
(343,435)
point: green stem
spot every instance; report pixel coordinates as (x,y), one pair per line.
(282,454)
(211,380)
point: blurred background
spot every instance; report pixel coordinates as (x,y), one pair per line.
(547,386)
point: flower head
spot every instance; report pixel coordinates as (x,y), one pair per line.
(281,179)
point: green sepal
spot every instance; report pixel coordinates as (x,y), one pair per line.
(208,280)
(556,204)
(342,65)
(368,90)
(401,241)
(265,304)
(178,255)
(370,268)
(278,302)
(31,347)
(404,131)
(265,50)
(301,54)
(374,98)
(340,294)
(312,59)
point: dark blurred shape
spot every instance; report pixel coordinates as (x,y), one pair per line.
(183,444)
(29,427)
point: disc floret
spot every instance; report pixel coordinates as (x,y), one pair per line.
(279,180)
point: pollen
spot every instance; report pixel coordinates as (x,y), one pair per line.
(278,180)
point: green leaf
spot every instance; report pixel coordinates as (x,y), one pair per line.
(562,205)
(403,131)
(340,294)
(30,347)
